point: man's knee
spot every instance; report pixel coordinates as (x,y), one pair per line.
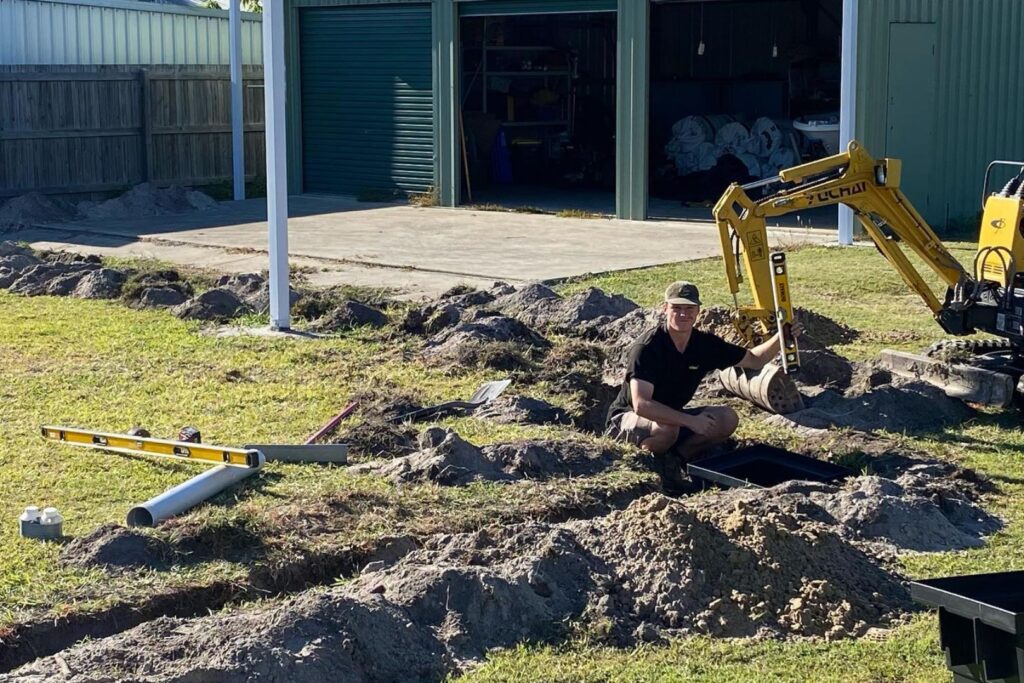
(727,421)
(662,438)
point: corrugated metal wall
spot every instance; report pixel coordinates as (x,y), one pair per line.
(979,98)
(119,32)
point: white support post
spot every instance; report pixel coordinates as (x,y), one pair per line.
(848,102)
(237,122)
(277,169)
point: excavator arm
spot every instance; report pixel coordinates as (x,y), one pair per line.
(871,188)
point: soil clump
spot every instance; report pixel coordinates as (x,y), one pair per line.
(521,410)
(447,459)
(112,546)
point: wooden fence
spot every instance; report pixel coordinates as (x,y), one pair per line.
(83,130)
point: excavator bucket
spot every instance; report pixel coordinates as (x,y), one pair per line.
(770,388)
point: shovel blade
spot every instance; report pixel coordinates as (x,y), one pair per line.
(488,391)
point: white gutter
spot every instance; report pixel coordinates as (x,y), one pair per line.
(848,102)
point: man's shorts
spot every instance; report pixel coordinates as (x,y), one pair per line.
(632,428)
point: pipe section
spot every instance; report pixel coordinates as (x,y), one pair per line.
(189,494)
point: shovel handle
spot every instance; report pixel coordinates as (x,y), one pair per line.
(331,424)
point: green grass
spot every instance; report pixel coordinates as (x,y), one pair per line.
(100,365)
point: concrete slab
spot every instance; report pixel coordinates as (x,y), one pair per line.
(419,251)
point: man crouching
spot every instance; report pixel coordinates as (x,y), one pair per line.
(665,367)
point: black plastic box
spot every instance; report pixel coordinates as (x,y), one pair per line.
(763,466)
(981,624)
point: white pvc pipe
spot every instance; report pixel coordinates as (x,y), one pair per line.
(847,102)
(189,494)
(237,122)
(277,170)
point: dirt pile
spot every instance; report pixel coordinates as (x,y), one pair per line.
(217,304)
(892,404)
(33,208)
(348,315)
(521,410)
(148,200)
(584,314)
(487,340)
(112,546)
(447,459)
(922,509)
(657,567)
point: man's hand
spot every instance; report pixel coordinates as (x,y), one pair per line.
(701,424)
(796,329)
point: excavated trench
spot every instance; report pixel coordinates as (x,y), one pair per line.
(797,560)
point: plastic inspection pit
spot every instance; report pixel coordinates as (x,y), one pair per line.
(763,466)
(981,624)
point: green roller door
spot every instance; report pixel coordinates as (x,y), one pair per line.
(367,104)
(482,8)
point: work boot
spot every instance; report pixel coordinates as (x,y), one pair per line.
(672,470)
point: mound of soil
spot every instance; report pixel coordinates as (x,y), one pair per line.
(656,567)
(105,283)
(115,546)
(348,315)
(147,200)
(446,458)
(521,410)
(32,208)
(254,290)
(218,304)
(583,315)
(487,340)
(50,278)
(903,405)
(918,511)
(376,438)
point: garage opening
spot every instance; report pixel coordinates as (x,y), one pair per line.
(739,90)
(537,104)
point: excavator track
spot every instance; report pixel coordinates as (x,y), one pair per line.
(771,388)
(963,348)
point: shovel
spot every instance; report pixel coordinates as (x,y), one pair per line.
(485,393)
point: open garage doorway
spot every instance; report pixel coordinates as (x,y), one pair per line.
(537,106)
(739,90)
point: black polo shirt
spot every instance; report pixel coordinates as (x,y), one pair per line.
(654,358)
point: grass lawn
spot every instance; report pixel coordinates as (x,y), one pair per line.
(103,366)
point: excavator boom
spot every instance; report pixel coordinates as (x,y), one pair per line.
(983,300)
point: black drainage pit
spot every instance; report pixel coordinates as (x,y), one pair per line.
(764,466)
(981,624)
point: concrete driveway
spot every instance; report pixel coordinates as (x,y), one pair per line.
(418,251)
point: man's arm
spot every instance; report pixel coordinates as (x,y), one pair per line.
(762,354)
(644,405)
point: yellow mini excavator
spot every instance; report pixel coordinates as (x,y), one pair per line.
(989,299)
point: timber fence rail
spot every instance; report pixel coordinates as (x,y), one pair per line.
(84,130)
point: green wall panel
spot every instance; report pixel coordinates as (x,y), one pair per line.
(367,107)
(979,94)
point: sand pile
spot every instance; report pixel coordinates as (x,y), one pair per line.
(32,208)
(447,459)
(923,509)
(657,567)
(892,404)
(583,315)
(147,200)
